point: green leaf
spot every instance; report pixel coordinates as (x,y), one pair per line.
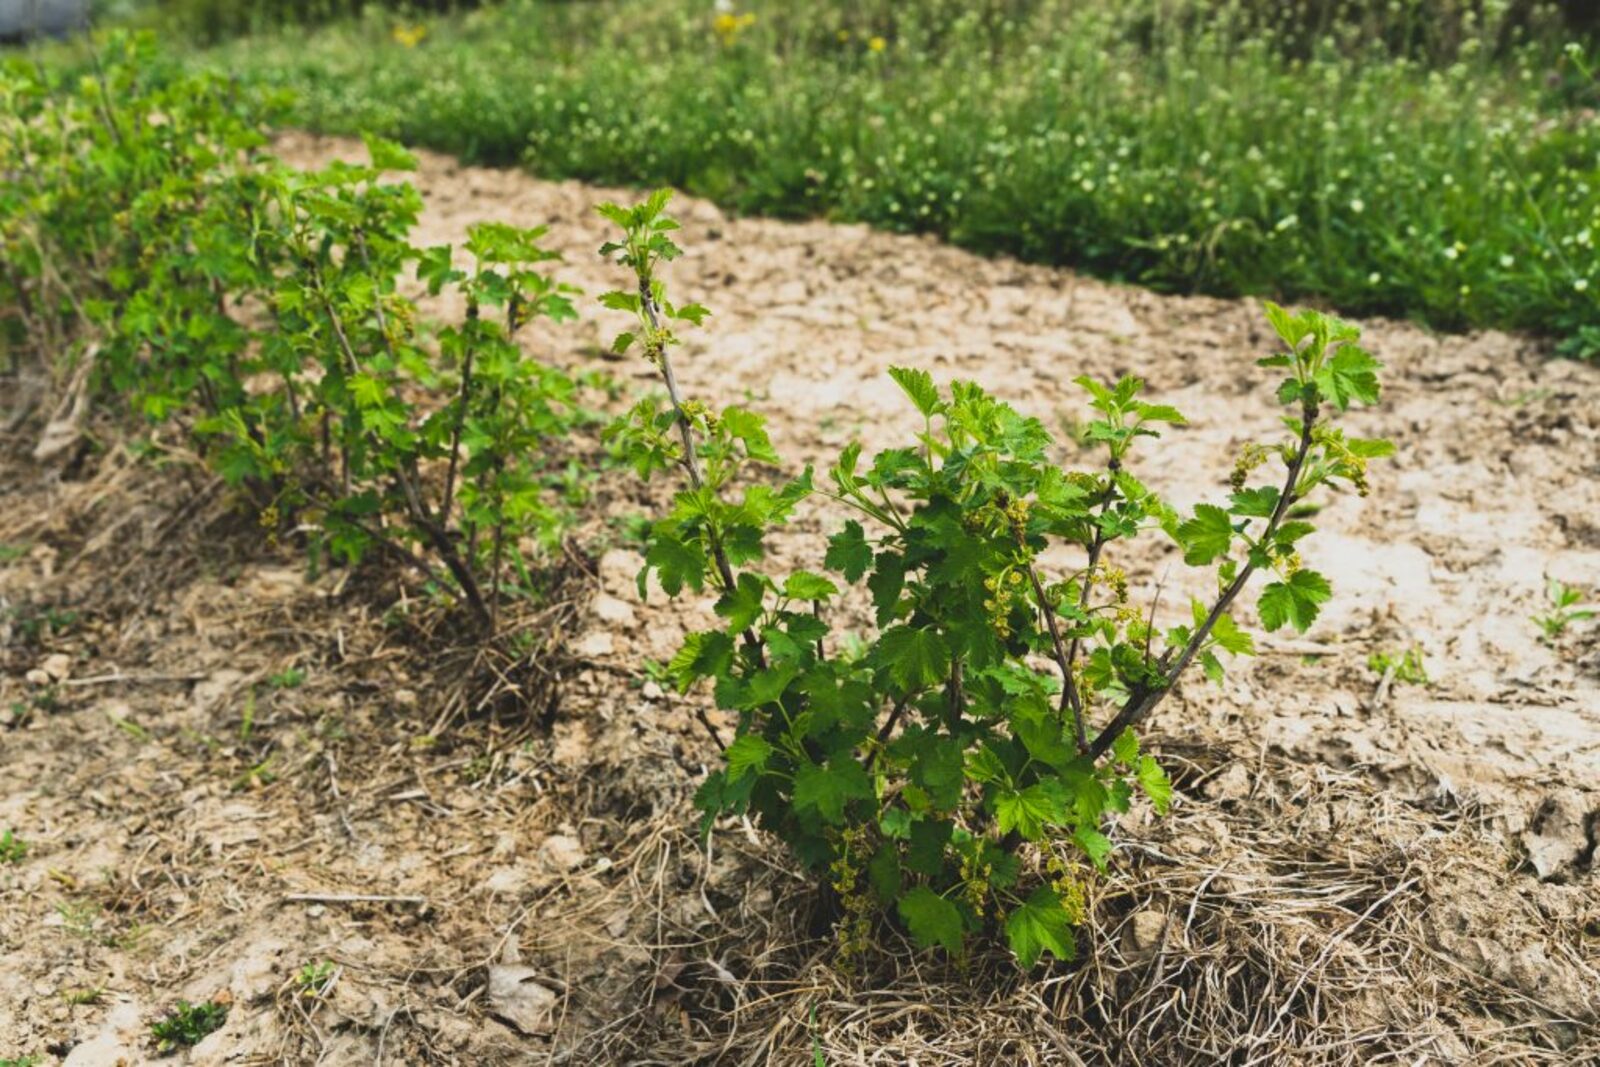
(1230,638)
(1155,783)
(1370,447)
(695,313)
(803,585)
(1292,329)
(388,155)
(1030,810)
(915,658)
(938,769)
(741,605)
(675,562)
(746,754)
(1295,601)
(702,655)
(932,919)
(1159,413)
(886,583)
(745,425)
(928,840)
(918,385)
(985,765)
(1255,503)
(768,686)
(848,552)
(1040,924)
(826,790)
(1206,536)
(1126,747)
(622,342)
(617,300)
(1096,844)
(883,871)
(1351,374)
(652,206)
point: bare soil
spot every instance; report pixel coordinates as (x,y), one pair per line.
(229,769)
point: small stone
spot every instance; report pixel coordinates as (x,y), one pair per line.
(1558,834)
(214,688)
(570,743)
(609,609)
(404,698)
(594,645)
(650,690)
(58,666)
(561,853)
(505,882)
(1232,784)
(1143,934)
(516,996)
(619,572)
(37,677)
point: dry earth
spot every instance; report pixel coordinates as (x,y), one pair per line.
(1359,869)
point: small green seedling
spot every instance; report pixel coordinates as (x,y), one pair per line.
(315,978)
(1408,666)
(1566,609)
(13,849)
(289,678)
(187,1025)
(87,995)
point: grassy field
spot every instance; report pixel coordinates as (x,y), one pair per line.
(1413,165)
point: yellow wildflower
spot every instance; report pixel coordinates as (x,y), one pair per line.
(729,26)
(877,44)
(410,36)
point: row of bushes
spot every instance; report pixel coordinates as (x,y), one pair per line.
(1132,140)
(152,244)
(954,767)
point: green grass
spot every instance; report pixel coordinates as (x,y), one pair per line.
(1136,140)
(13,849)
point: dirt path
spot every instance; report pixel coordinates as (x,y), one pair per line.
(170,818)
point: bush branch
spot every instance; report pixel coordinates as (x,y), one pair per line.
(1145,698)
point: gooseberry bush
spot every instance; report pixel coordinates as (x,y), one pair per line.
(993,708)
(159,254)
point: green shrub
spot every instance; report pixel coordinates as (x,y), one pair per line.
(922,772)
(256,307)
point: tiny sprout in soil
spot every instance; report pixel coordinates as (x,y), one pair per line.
(1408,666)
(187,1025)
(1566,608)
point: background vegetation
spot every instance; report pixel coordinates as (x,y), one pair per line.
(1440,161)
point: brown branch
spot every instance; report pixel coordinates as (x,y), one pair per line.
(691,458)
(435,534)
(460,420)
(1145,698)
(888,728)
(1068,688)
